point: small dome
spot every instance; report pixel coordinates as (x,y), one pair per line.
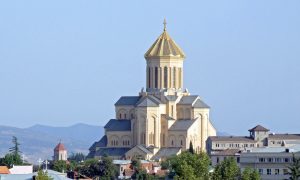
(164,46)
(59,147)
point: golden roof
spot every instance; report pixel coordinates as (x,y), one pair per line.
(164,46)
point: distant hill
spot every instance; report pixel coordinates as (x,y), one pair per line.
(39,141)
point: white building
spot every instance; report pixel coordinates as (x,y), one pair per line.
(60,152)
(271,162)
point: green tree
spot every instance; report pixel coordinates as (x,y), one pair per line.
(41,175)
(246,174)
(191,148)
(227,169)
(250,174)
(107,169)
(10,159)
(101,169)
(190,165)
(60,166)
(15,150)
(295,168)
(255,175)
(13,157)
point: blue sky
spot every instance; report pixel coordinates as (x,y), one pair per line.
(64,62)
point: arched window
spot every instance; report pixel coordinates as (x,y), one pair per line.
(156,77)
(172,142)
(174,77)
(165,77)
(125,116)
(179,78)
(181,143)
(149,77)
(120,116)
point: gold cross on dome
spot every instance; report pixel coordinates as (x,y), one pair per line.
(165,24)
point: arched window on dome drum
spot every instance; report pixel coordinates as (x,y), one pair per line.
(179,78)
(156,77)
(149,77)
(165,77)
(174,77)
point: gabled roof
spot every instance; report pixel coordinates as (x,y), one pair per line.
(148,101)
(144,149)
(200,104)
(188,100)
(182,125)
(171,97)
(166,152)
(164,46)
(118,125)
(101,143)
(4,170)
(259,128)
(60,147)
(127,101)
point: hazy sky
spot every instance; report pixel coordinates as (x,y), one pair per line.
(64,62)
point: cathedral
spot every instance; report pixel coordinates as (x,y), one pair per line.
(161,120)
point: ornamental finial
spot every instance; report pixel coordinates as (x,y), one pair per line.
(165,24)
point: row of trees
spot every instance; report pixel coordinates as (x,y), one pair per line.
(191,166)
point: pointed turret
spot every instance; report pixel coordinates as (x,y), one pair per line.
(164,64)
(164,46)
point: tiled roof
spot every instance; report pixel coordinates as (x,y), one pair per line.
(259,128)
(144,149)
(4,170)
(231,138)
(164,46)
(226,152)
(166,152)
(118,125)
(182,125)
(101,143)
(285,136)
(188,100)
(200,104)
(148,101)
(127,101)
(111,151)
(59,147)
(171,97)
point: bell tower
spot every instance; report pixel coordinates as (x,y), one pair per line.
(164,65)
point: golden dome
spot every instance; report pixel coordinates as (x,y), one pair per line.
(164,46)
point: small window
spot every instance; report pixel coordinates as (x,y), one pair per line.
(172,142)
(120,116)
(260,171)
(181,142)
(218,160)
(286,160)
(285,171)
(238,159)
(276,171)
(125,116)
(269,171)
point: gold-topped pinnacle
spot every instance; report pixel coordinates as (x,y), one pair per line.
(165,24)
